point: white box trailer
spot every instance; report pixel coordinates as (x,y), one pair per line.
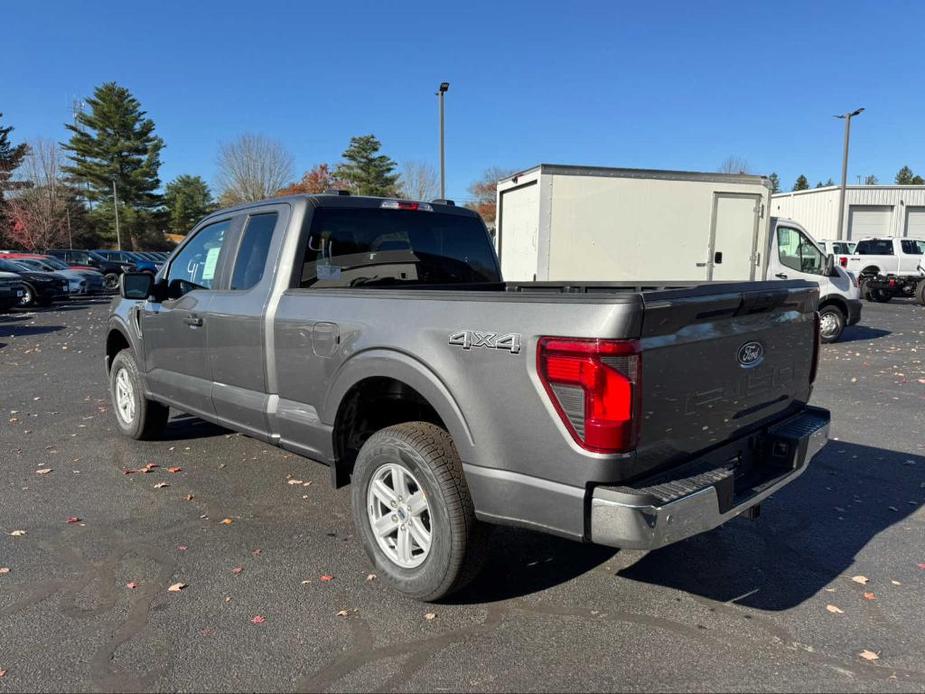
(560,223)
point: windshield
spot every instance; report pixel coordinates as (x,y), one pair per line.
(351,247)
(51,261)
(96,256)
(10,266)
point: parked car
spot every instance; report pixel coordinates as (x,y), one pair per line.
(110,270)
(631,225)
(39,288)
(11,290)
(129,257)
(838,247)
(80,281)
(889,267)
(378,336)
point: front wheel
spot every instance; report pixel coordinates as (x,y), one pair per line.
(28,296)
(831,323)
(920,292)
(413,511)
(111,280)
(137,416)
(881,296)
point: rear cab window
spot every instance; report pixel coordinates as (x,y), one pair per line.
(875,247)
(912,247)
(382,247)
(253,250)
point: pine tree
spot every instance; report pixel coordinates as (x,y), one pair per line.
(801,183)
(366,171)
(775,182)
(905,177)
(871,180)
(11,157)
(187,199)
(115,142)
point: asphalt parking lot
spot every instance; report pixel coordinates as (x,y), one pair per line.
(775,604)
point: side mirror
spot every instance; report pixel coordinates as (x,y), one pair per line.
(829,265)
(136,285)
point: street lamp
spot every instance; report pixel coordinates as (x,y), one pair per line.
(444,86)
(844,168)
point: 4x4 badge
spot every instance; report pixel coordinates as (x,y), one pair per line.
(467,339)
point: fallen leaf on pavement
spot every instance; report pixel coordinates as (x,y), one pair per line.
(861,579)
(188,497)
(43,471)
(834,610)
(182,548)
(161,485)
(175,469)
(869,655)
(294,482)
(870,596)
(226,521)
(258,619)
(327,578)
(4,569)
(343,613)
(257,552)
(430,616)
(922,566)
(305,582)
(3,673)
(371,577)
(895,582)
(18,533)
(72,519)
(236,570)
(131,585)
(177,587)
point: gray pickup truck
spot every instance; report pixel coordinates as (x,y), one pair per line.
(377,336)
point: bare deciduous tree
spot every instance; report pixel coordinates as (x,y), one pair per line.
(38,210)
(419,181)
(734,165)
(252,167)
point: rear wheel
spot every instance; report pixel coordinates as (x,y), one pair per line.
(137,416)
(920,292)
(831,323)
(881,296)
(111,280)
(28,297)
(413,511)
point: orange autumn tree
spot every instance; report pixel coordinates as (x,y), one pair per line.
(317,180)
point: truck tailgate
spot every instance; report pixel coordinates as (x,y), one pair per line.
(720,361)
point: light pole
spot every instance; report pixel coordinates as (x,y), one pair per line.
(115,207)
(844,169)
(444,86)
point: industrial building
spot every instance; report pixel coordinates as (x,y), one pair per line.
(869,211)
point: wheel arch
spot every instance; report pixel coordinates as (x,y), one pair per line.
(412,391)
(117,339)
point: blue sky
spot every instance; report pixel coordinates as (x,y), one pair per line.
(678,85)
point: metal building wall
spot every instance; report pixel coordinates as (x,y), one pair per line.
(817,208)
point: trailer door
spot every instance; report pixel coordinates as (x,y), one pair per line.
(518,232)
(733,236)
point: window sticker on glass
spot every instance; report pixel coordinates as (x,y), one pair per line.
(326,270)
(208,271)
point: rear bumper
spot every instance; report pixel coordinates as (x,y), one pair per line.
(703,494)
(854,310)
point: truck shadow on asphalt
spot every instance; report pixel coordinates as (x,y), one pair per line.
(856,333)
(19,330)
(809,534)
(185,427)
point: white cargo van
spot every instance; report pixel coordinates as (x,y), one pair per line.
(560,223)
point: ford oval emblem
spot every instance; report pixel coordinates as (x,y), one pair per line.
(750,354)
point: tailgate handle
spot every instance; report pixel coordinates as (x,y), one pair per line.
(718,257)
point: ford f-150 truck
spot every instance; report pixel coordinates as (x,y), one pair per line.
(377,336)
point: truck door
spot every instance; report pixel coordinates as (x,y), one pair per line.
(733,236)
(236,316)
(174,330)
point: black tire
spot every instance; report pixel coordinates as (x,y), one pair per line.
(881,296)
(149,417)
(458,541)
(836,316)
(111,280)
(920,292)
(44,301)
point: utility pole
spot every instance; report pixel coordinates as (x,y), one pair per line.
(115,207)
(67,210)
(844,170)
(444,86)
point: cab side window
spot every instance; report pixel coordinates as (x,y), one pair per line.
(911,247)
(253,250)
(797,252)
(194,267)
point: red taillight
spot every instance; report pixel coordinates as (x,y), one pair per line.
(843,261)
(817,339)
(406,205)
(594,386)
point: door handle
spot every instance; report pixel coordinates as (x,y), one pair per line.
(718,257)
(193,321)
(701,264)
(781,276)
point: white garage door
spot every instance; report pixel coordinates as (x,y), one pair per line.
(915,223)
(869,220)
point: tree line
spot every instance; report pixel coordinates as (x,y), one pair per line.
(736,164)
(70,193)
